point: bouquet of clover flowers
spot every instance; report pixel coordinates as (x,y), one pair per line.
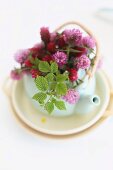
(54,64)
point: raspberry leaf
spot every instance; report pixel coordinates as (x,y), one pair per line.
(60,105)
(61,88)
(61,77)
(40,97)
(50,77)
(54,67)
(41,83)
(49,106)
(44,66)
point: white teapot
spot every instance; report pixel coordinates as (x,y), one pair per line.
(87,102)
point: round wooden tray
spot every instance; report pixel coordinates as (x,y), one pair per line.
(8,86)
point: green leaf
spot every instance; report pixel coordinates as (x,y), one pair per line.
(49,106)
(44,66)
(60,105)
(54,67)
(41,83)
(34,67)
(40,97)
(36,61)
(61,88)
(52,85)
(50,77)
(53,100)
(61,77)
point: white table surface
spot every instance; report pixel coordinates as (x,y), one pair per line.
(20,21)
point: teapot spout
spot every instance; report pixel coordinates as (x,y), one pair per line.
(95,100)
(87,103)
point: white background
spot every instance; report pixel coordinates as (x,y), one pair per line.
(20,21)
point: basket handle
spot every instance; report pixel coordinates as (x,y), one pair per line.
(97,56)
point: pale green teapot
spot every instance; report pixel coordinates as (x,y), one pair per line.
(88,98)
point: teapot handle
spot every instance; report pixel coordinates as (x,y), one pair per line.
(90,72)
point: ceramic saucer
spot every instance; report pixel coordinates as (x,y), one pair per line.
(59,125)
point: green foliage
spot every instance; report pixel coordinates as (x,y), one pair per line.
(44,66)
(49,106)
(61,77)
(41,83)
(31,59)
(34,61)
(34,67)
(61,88)
(54,67)
(60,105)
(40,97)
(50,77)
(51,86)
